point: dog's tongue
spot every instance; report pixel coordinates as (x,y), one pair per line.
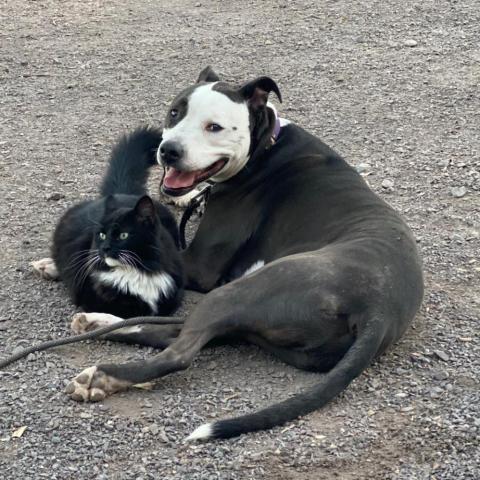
(175,179)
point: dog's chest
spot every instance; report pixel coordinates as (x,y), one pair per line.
(148,287)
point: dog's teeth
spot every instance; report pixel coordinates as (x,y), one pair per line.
(203,432)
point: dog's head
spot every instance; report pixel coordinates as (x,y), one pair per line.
(212,129)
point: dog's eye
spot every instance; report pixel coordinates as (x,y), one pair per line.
(173,112)
(123,236)
(214,127)
(102,236)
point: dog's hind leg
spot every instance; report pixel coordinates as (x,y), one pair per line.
(251,307)
(156,336)
(95,383)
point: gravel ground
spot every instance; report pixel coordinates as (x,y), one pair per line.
(391,85)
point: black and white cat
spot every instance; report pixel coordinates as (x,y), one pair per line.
(118,254)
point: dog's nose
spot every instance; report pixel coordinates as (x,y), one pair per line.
(170,152)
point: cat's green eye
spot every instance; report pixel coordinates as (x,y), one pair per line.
(123,236)
(102,236)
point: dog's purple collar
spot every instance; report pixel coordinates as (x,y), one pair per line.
(276,128)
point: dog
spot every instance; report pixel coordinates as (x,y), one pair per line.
(295,252)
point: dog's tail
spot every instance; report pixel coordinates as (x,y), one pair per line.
(130,160)
(357,358)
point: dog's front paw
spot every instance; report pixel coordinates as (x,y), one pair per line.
(85,322)
(93,385)
(46,268)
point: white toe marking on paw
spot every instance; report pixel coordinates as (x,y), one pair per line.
(203,432)
(46,268)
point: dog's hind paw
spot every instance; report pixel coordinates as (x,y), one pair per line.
(85,322)
(93,385)
(46,268)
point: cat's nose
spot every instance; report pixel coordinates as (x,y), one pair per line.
(171,152)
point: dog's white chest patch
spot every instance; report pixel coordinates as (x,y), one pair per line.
(149,287)
(254,267)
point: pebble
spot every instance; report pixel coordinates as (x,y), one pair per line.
(458,192)
(440,375)
(363,167)
(410,42)
(56,196)
(387,184)
(441,355)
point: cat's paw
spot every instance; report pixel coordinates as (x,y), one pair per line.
(93,385)
(46,268)
(85,322)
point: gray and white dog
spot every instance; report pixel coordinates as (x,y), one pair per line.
(297,254)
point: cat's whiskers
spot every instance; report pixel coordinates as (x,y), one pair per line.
(86,269)
(78,258)
(130,261)
(82,264)
(91,267)
(135,259)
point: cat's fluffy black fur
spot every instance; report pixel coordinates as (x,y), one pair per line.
(124,228)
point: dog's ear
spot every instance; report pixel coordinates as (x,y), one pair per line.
(110,204)
(256,91)
(208,75)
(145,209)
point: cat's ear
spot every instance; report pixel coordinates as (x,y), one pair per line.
(145,209)
(110,203)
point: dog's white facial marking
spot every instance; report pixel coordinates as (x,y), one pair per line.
(253,268)
(203,432)
(149,287)
(203,148)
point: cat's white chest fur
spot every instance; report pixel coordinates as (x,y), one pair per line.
(149,287)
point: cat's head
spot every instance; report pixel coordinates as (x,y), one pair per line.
(124,236)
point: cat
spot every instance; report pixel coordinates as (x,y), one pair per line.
(119,254)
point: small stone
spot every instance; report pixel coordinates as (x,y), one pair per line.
(441,355)
(410,42)
(154,428)
(458,192)
(363,167)
(56,196)
(387,184)
(440,375)
(163,436)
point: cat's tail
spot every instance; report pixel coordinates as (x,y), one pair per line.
(130,160)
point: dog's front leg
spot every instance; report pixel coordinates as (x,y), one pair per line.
(205,267)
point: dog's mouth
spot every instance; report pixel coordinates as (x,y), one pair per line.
(176,182)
